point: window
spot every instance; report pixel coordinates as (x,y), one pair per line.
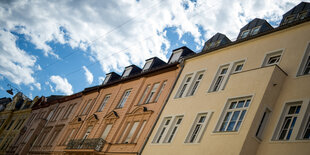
(198,128)
(162,130)
(288,121)
(17,124)
(144,94)
(53,137)
(219,78)
(104,102)
(88,104)
(302,15)
(306,133)
(245,33)
(87,132)
(174,128)
(184,86)
(124,132)
(11,123)
(124,98)
(304,68)
(106,131)
(255,30)
(175,56)
(196,83)
(238,66)
(127,71)
(69,137)
(131,132)
(262,124)
(28,136)
(68,111)
(107,78)
(233,114)
(139,132)
(160,91)
(289,19)
(152,93)
(147,64)
(272,58)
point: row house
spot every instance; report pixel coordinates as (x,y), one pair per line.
(12,119)
(249,96)
(118,116)
(45,126)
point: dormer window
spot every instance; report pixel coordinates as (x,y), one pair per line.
(147,64)
(302,15)
(289,19)
(107,78)
(127,71)
(245,33)
(255,30)
(175,56)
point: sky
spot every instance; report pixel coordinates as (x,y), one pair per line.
(62,47)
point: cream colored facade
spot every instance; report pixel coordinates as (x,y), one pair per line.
(269,88)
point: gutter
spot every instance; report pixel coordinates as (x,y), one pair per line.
(163,107)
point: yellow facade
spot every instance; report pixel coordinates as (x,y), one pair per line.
(268,88)
(15,115)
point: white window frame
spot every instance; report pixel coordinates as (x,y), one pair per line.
(173,129)
(127,71)
(176,56)
(162,87)
(243,32)
(131,132)
(151,95)
(147,64)
(182,91)
(162,130)
(198,128)
(124,98)
(107,77)
(272,55)
(195,83)
(255,30)
(231,107)
(146,91)
(106,131)
(104,102)
(302,15)
(305,61)
(140,131)
(220,74)
(236,64)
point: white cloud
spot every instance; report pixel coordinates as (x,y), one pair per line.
(30,96)
(39,67)
(89,76)
(15,64)
(1,88)
(133,33)
(61,84)
(38,85)
(31,88)
(1,77)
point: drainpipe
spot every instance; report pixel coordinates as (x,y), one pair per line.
(161,110)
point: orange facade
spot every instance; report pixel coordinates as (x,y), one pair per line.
(117,117)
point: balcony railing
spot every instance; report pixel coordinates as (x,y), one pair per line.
(96,144)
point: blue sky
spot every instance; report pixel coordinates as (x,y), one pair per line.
(61,47)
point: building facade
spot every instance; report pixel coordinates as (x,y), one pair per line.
(249,96)
(118,116)
(12,120)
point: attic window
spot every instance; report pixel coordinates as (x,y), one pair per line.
(255,30)
(245,33)
(289,19)
(147,64)
(175,56)
(107,78)
(127,71)
(302,15)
